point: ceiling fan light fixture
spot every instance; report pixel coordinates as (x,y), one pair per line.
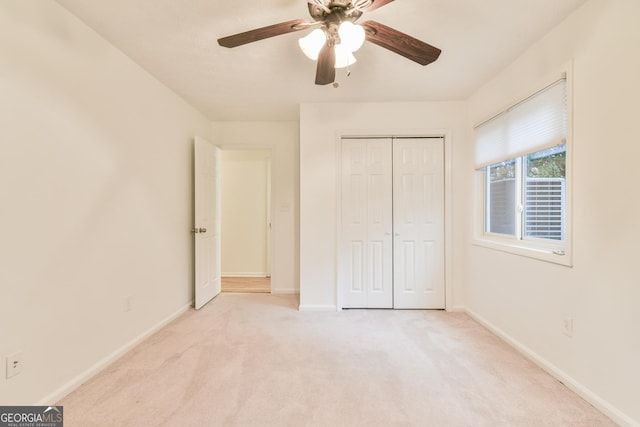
(333,44)
(312,43)
(344,57)
(352,36)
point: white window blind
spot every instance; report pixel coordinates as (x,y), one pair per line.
(537,123)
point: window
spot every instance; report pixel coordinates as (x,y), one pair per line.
(545,194)
(501,198)
(521,162)
(538,210)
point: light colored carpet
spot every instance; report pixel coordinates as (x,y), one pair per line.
(254,360)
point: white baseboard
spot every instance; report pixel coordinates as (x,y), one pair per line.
(67,388)
(460,309)
(310,307)
(602,405)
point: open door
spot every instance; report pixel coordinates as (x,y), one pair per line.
(206,227)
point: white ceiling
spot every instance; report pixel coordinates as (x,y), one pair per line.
(175,40)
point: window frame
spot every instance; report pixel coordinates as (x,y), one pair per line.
(548,250)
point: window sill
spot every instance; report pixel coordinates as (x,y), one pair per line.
(526,249)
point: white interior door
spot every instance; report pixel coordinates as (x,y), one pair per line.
(365,267)
(418,209)
(207,221)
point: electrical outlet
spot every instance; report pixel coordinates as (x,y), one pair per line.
(14,364)
(567,326)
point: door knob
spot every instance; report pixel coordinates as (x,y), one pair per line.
(195,230)
(203,230)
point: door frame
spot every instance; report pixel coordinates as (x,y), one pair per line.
(448,199)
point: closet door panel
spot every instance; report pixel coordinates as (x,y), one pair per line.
(365,264)
(353,262)
(418,176)
(380,223)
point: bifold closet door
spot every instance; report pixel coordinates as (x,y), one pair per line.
(365,266)
(418,223)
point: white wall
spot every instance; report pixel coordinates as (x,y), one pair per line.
(321,126)
(96,193)
(282,139)
(244,212)
(96,196)
(528,299)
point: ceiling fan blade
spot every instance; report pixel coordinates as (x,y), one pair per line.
(326,70)
(376,4)
(263,33)
(400,43)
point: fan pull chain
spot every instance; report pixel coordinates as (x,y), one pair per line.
(336,85)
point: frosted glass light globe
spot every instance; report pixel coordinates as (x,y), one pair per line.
(312,43)
(344,57)
(351,36)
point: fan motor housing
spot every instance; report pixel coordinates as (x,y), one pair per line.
(340,11)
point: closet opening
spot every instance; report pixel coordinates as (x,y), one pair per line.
(391,223)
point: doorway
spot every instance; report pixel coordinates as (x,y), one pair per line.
(246,220)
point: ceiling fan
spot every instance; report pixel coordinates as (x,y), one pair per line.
(336,36)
